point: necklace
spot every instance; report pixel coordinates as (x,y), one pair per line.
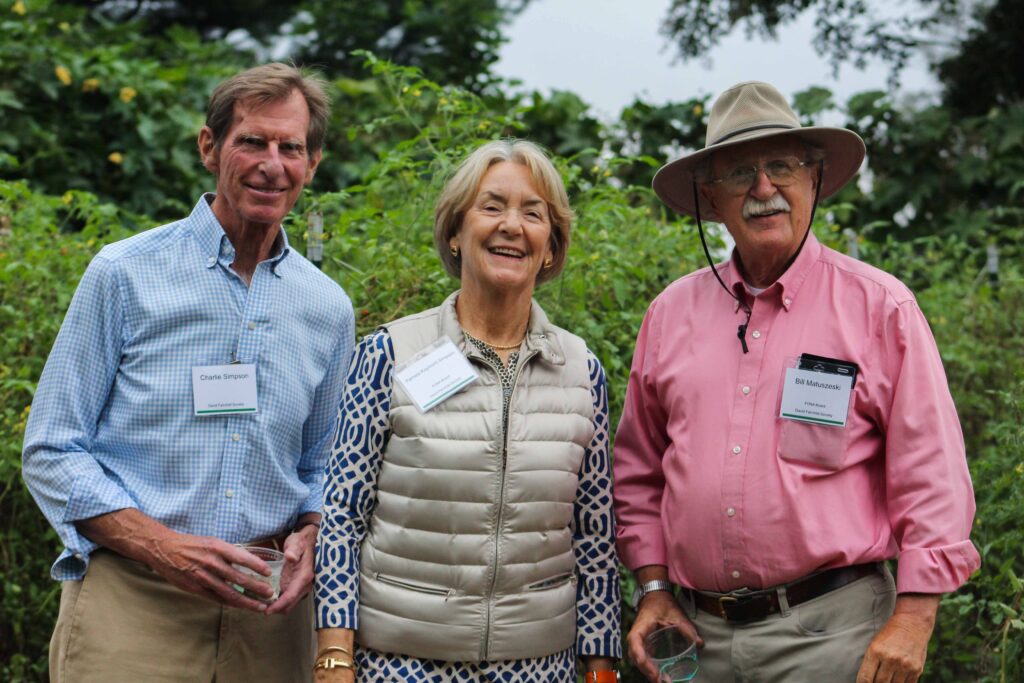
(495,346)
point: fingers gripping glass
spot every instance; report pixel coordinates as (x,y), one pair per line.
(781,172)
(674,655)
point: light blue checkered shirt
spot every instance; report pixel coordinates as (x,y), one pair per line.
(112,423)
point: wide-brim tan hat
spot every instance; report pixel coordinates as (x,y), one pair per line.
(756,111)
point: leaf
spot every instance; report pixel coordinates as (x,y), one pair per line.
(9,100)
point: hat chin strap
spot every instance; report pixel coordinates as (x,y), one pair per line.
(741,331)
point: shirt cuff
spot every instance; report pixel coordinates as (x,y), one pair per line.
(936,570)
(314,502)
(74,561)
(641,545)
(93,494)
(598,618)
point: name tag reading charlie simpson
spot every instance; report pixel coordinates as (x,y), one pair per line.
(435,373)
(817,397)
(224,389)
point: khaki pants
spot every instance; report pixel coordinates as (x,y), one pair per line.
(125,623)
(820,640)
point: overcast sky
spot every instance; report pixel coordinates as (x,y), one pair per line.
(609,51)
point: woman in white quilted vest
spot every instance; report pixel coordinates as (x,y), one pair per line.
(467,531)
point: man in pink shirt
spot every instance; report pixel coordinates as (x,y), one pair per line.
(787,429)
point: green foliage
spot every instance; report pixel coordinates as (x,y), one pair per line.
(45,244)
(394,137)
(99,107)
(451,42)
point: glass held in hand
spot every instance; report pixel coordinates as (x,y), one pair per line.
(274,560)
(673,654)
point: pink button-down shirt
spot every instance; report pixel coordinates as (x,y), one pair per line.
(712,483)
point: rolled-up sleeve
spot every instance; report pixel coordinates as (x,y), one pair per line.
(350,491)
(597,593)
(929,494)
(65,479)
(640,444)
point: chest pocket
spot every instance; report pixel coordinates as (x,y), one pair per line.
(811,444)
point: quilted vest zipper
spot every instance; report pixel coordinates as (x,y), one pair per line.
(501,490)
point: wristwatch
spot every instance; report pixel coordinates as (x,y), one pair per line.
(609,676)
(649,587)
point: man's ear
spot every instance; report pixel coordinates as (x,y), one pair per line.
(314,161)
(208,150)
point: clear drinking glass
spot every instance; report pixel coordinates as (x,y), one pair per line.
(674,655)
(274,560)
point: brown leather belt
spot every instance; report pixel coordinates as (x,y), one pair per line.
(741,608)
(275,543)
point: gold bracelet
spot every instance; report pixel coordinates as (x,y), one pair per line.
(333,648)
(332,663)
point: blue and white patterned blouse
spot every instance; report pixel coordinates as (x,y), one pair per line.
(112,425)
(350,497)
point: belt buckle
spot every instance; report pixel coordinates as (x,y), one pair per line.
(724,600)
(734,600)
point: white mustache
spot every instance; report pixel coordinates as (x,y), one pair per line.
(756,207)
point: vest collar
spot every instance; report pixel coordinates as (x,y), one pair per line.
(541,335)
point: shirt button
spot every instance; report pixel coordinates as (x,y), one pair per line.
(251,326)
(78,556)
(236,437)
(229,493)
(745,390)
(735,574)
(211,260)
(756,334)
(787,301)
(736,450)
(731,512)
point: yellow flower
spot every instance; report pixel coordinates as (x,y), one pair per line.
(405,88)
(19,8)
(64,26)
(443,101)
(607,173)
(67,198)
(90,243)
(63,75)
(483,125)
(1020,469)
(90,84)
(697,110)
(416,93)
(128,94)
(115,157)
(596,169)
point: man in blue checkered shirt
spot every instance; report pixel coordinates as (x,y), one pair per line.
(186,410)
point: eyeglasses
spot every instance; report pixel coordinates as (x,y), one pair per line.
(781,172)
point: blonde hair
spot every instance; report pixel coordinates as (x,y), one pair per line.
(460,190)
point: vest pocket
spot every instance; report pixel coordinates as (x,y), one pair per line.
(553,582)
(417,587)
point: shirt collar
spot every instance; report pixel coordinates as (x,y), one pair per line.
(786,287)
(540,334)
(214,243)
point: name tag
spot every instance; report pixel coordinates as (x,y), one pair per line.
(818,397)
(435,373)
(224,389)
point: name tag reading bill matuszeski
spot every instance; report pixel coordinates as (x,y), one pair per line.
(435,373)
(817,397)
